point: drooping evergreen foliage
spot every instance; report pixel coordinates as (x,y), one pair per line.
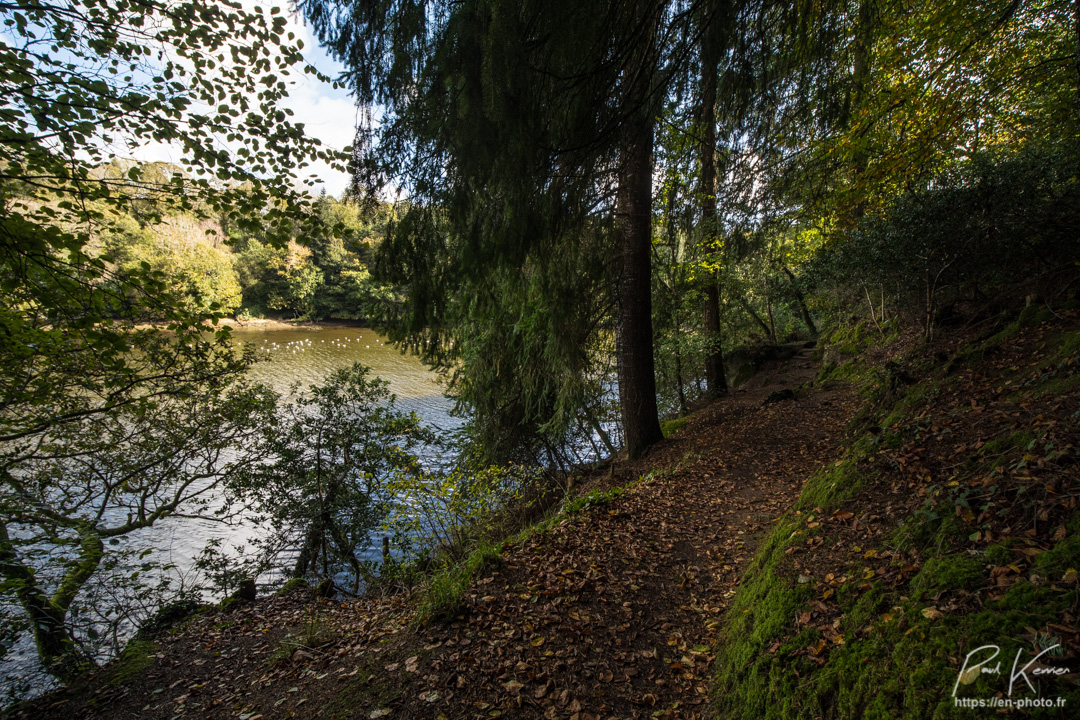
(515,130)
(523,133)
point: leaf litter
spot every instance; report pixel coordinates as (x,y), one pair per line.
(612,613)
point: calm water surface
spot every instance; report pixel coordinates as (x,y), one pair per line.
(307,355)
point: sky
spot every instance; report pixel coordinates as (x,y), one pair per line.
(326,113)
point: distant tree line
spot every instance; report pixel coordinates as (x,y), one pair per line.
(213,262)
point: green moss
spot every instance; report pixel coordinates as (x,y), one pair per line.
(1065,555)
(168,617)
(853,371)
(763,609)
(902,670)
(852,340)
(1018,440)
(830,487)
(915,396)
(670,427)
(369,690)
(891,440)
(894,661)
(1068,346)
(229,602)
(999,554)
(951,531)
(596,498)
(133,661)
(1030,316)
(1058,386)
(293,584)
(445,591)
(1034,315)
(949,572)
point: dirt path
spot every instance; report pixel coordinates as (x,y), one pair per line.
(610,614)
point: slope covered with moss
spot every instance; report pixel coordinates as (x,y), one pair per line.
(950,522)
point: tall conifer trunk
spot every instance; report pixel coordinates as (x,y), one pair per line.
(860,80)
(715,379)
(633,217)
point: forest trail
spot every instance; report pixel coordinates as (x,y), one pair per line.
(613,613)
(610,614)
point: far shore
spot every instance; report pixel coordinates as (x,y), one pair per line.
(270,324)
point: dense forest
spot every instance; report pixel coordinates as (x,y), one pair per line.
(595,221)
(634,187)
(213,265)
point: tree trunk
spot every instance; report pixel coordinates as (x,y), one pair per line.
(679,380)
(306,556)
(860,79)
(757,318)
(715,377)
(768,311)
(801,300)
(604,437)
(633,218)
(48,616)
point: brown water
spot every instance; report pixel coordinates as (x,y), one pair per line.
(307,355)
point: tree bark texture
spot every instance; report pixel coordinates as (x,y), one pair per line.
(48,616)
(801,300)
(633,218)
(715,377)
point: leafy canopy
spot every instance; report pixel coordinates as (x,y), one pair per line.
(107,427)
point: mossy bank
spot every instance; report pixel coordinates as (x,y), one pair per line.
(948,524)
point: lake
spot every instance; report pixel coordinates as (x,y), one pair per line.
(307,355)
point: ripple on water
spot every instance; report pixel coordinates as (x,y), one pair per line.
(307,355)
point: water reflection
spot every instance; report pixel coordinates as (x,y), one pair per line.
(307,355)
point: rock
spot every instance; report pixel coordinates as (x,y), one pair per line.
(326,588)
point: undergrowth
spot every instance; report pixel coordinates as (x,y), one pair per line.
(442,593)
